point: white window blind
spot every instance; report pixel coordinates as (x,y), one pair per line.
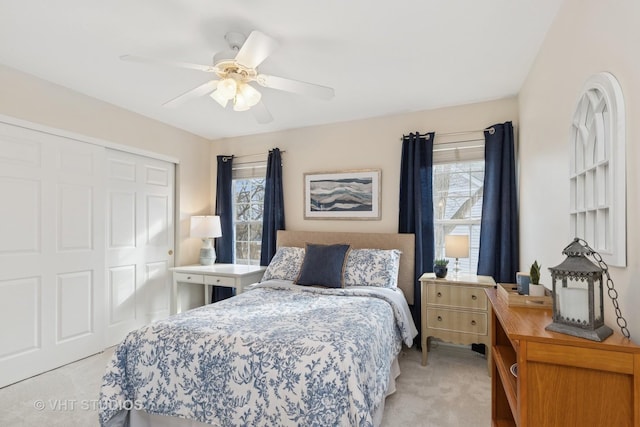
(458,151)
(257,169)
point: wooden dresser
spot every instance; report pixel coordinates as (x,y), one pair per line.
(561,380)
(456,310)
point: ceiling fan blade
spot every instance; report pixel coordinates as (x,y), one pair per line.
(261,113)
(296,86)
(256,49)
(203,89)
(133,58)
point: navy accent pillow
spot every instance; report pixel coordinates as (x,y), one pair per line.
(323,265)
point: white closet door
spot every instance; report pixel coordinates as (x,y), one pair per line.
(52,251)
(140,206)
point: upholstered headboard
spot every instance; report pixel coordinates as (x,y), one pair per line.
(403,242)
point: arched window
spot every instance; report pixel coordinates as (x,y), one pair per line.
(597,176)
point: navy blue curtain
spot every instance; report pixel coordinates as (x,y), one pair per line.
(499,245)
(224,209)
(416,206)
(273,213)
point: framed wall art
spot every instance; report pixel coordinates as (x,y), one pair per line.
(342,195)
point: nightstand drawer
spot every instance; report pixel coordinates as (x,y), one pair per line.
(188,278)
(457,321)
(457,296)
(220,281)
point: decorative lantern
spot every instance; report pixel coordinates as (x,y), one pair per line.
(578,307)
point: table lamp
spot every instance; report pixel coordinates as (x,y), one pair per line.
(207,228)
(456,247)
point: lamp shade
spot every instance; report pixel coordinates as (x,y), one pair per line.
(456,246)
(227,88)
(250,94)
(240,103)
(219,98)
(206,226)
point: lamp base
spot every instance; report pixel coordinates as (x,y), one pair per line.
(599,334)
(207,253)
(456,269)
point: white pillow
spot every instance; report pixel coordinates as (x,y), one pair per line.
(285,264)
(372,267)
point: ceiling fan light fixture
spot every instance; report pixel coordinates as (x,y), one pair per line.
(240,103)
(219,98)
(250,94)
(234,69)
(227,87)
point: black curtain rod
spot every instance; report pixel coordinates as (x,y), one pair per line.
(464,132)
(225,158)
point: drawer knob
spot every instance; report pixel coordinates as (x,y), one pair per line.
(439,318)
(217,280)
(188,277)
(473,297)
(439,294)
(473,322)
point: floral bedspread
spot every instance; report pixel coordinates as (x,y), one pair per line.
(279,354)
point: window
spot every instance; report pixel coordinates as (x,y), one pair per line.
(457,205)
(248,203)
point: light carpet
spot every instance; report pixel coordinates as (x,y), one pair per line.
(452,390)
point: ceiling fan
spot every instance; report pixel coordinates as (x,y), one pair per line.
(235,70)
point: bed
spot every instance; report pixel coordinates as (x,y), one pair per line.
(296,349)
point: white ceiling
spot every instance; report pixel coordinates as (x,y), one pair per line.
(381,57)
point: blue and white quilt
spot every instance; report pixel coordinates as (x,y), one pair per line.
(279,354)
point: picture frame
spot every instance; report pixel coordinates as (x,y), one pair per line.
(350,195)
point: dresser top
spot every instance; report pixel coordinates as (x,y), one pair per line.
(462,279)
(522,323)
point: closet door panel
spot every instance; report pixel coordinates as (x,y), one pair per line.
(20,215)
(75,218)
(86,244)
(52,251)
(122,298)
(74,305)
(140,229)
(122,223)
(155,296)
(20,307)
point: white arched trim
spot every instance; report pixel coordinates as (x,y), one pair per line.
(597,171)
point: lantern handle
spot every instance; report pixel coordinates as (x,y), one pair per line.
(613,294)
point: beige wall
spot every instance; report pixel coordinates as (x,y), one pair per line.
(25,97)
(365,144)
(587,37)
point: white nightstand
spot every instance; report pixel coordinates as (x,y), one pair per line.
(230,275)
(456,310)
